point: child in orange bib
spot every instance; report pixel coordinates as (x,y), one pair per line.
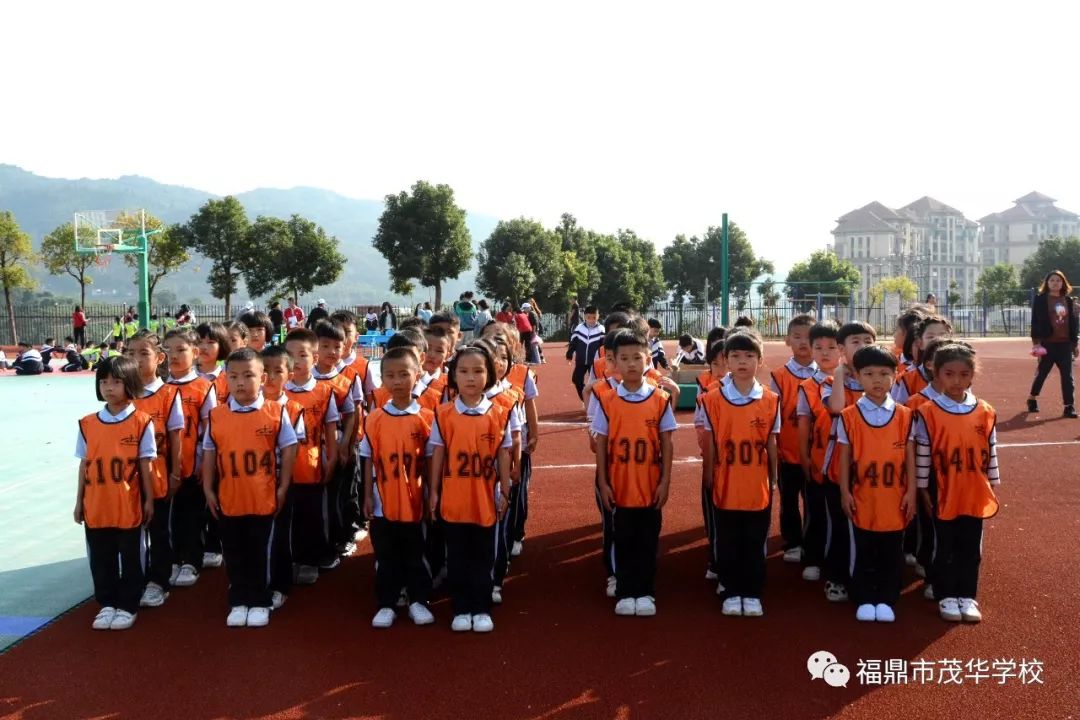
(742,419)
(877,472)
(115,497)
(955,434)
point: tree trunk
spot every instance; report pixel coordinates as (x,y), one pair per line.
(228,306)
(11,315)
(82,293)
(438,295)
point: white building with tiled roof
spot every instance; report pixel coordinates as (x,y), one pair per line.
(926,240)
(1014,235)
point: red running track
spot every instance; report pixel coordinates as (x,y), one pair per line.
(560,652)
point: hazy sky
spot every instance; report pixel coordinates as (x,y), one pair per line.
(653,116)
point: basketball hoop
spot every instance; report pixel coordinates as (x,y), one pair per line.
(103,256)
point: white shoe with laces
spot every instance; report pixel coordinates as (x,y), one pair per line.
(793,555)
(969,610)
(950,610)
(626,607)
(173,575)
(835,592)
(237,616)
(103,620)
(212,560)
(122,620)
(482,623)
(516,548)
(187,576)
(645,606)
(420,615)
(384,618)
(277,600)
(732,606)
(865,613)
(496,595)
(612,586)
(153,596)
(884,613)
(811,573)
(258,617)
(751,607)
(461,623)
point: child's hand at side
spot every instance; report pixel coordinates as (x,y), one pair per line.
(660,497)
(212,504)
(78,514)
(148,511)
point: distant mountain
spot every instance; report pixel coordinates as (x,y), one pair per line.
(40,204)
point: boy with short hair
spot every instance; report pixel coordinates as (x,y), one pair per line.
(198,398)
(449,323)
(245,484)
(585,340)
(691,352)
(430,389)
(361,386)
(742,419)
(877,484)
(633,456)
(656,345)
(785,382)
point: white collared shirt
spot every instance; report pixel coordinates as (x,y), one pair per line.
(175,420)
(667,420)
(348,405)
(147,443)
(481,408)
(899,390)
(874,414)
(802,403)
(800,371)
(365,447)
(332,416)
(287,434)
(735,397)
(922,438)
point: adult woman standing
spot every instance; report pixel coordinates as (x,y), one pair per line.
(1054,333)
(483,315)
(424,312)
(505,314)
(78,326)
(387,318)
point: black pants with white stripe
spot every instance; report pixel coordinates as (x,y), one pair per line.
(815,524)
(245,543)
(159,553)
(791,489)
(924,520)
(877,565)
(519,502)
(116,565)
(281,553)
(607,530)
(578,378)
(837,538)
(957,557)
(470,565)
(188,522)
(310,542)
(399,561)
(708,516)
(636,539)
(740,550)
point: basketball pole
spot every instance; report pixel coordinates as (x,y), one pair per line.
(144,281)
(725,289)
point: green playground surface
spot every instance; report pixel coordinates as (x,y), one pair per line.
(43,568)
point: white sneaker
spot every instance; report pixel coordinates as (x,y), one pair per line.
(187,576)
(258,617)
(910,560)
(496,595)
(612,586)
(866,613)
(884,613)
(237,616)
(482,623)
(928,592)
(420,615)
(950,610)
(307,575)
(711,576)
(835,592)
(153,596)
(122,620)
(104,618)
(173,575)
(793,555)
(360,535)
(384,618)
(212,560)
(626,606)
(516,548)
(811,573)
(277,600)
(920,571)
(461,623)
(330,564)
(345,550)
(969,610)
(751,607)
(645,606)
(403,598)
(732,606)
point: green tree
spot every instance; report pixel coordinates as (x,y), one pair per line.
(513,247)
(999,285)
(423,237)
(219,231)
(16,253)
(59,256)
(902,285)
(630,271)
(166,253)
(1053,254)
(823,273)
(581,277)
(292,257)
(953,296)
(689,263)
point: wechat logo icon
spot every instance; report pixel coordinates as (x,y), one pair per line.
(823,665)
